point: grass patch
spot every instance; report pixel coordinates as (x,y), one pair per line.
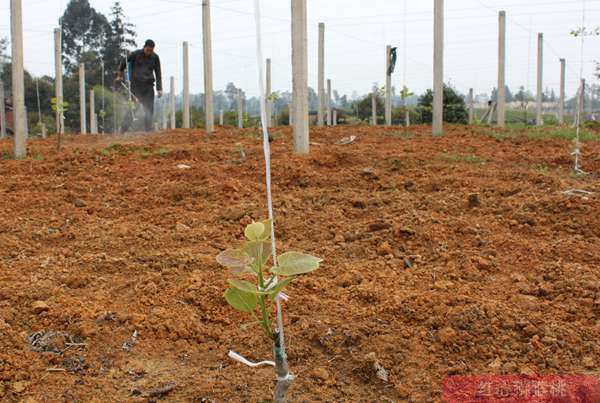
(470,158)
(400,134)
(143,151)
(37,157)
(6,155)
(544,132)
(543,170)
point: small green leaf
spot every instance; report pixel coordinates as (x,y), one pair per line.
(235,259)
(240,300)
(254,231)
(267,232)
(259,252)
(246,286)
(295,263)
(273,292)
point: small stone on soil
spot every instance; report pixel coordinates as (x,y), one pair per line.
(39,307)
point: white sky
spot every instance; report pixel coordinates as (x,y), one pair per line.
(357,32)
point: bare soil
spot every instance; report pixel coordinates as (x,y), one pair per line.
(443,256)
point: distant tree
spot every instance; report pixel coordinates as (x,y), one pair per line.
(523,96)
(120,40)
(313,100)
(3,47)
(231,92)
(364,106)
(455,110)
(84,32)
(508,94)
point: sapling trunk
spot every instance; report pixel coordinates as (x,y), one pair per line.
(284,379)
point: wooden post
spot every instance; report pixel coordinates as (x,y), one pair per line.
(82,117)
(18,80)
(438,69)
(300,76)
(208,70)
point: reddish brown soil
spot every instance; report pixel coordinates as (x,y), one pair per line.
(90,245)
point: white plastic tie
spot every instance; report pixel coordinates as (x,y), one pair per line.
(281,295)
(236,357)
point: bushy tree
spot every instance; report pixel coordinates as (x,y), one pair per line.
(3,47)
(508,94)
(84,32)
(364,106)
(455,110)
(120,40)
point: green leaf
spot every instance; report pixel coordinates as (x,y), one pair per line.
(295,263)
(246,286)
(259,252)
(279,287)
(267,232)
(254,231)
(235,259)
(240,300)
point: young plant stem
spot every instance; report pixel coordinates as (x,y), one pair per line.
(266,320)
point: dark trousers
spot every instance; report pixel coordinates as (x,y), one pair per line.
(145,98)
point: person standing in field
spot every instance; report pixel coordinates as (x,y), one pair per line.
(144,70)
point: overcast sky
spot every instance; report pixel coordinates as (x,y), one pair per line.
(357,32)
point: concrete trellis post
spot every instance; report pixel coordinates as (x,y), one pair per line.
(438,69)
(540,80)
(18,82)
(561,101)
(2,112)
(335,117)
(186,86)
(501,107)
(328,103)
(93,120)
(208,70)
(172,104)
(82,111)
(471,107)
(300,76)
(374,106)
(58,83)
(240,109)
(321,77)
(388,86)
(221,118)
(291,113)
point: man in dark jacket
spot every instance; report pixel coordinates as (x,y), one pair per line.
(144,66)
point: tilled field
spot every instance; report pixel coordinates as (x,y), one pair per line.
(442,256)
